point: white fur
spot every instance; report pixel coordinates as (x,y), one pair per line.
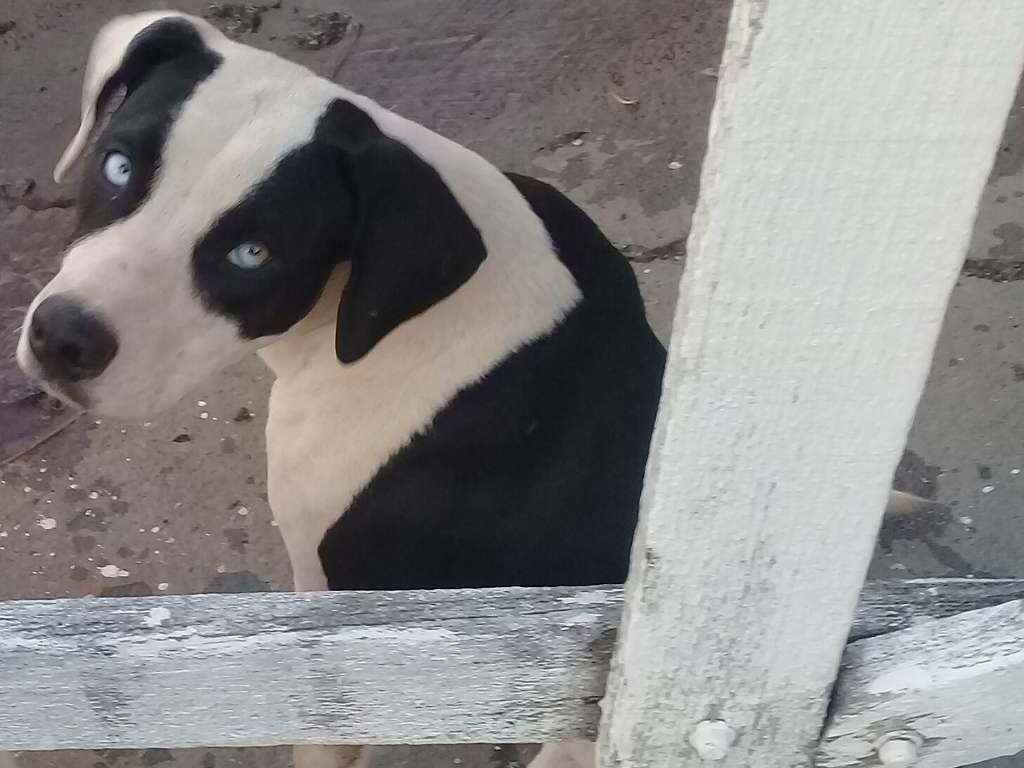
(566,754)
(320,756)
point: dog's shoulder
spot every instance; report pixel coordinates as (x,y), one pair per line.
(532,474)
(599,269)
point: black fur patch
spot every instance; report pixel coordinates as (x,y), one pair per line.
(532,476)
(304,212)
(161,68)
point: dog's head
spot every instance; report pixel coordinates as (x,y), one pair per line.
(223,191)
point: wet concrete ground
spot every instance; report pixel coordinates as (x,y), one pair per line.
(610,106)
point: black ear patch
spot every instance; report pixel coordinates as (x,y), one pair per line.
(414,244)
(162,67)
(162,41)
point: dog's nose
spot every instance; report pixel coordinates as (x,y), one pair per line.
(70,343)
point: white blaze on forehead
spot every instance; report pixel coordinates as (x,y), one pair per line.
(230,134)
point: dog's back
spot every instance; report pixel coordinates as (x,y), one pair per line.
(532,475)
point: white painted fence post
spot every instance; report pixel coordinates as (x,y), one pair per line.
(848,148)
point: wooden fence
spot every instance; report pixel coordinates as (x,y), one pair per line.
(848,148)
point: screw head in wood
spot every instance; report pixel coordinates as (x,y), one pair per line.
(898,749)
(712,739)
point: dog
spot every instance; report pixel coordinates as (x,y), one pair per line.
(466,381)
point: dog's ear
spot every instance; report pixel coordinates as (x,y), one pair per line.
(414,244)
(124,52)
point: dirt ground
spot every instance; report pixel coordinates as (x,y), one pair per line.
(612,107)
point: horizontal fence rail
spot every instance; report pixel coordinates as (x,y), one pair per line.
(504,665)
(945,693)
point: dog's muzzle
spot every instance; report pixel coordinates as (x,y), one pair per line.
(70,343)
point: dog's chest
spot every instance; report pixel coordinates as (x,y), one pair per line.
(332,428)
(329,431)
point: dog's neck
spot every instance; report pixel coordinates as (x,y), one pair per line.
(283,354)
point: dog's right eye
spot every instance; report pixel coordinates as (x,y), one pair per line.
(117,168)
(249,255)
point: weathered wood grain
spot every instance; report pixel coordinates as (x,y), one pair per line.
(889,606)
(295,669)
(399,667)
(848,147)
(955,686)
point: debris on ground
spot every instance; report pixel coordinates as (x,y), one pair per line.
(113,572)
(674,250)
(31,420)
(996,270)
(325,29)
(565,140)
(22,192)
(6,26)
(236,582)
(244,414)
(236,19)
(17,189)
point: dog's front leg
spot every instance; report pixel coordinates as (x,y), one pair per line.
(566,754)
(324,756)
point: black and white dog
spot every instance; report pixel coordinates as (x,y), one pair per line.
(466,383)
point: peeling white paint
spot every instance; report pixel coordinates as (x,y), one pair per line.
(918,677)
(156,617)
(587,598)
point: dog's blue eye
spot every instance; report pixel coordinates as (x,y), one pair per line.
(249,255)
(117,168)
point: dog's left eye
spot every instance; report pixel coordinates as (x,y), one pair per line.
(249,255)
(117,168)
